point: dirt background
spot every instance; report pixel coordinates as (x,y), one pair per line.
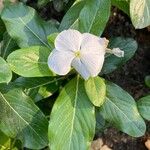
(130,76)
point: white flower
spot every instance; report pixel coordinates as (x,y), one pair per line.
(84,52)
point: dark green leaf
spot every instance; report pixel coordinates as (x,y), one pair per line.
(20,117)
(128,45)
(94,16)
(121,111)
(144,107)
(96,90)
(2,29)
(25,26)
(147,80)
(140,13)
(5,72)
(72,121)
(30,62)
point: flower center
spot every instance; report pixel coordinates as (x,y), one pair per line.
(77,54)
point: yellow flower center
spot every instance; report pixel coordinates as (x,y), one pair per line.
(77,54)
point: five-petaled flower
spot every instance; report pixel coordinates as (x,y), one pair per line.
(84,52)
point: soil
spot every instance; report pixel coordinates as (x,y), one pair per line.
(130,76)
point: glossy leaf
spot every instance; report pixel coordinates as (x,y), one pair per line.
(25,26)
(4,141)
(5,72)
(128,45)
(8,45)
(38,88)
(30,62)
(96,90)
(144,107)
(72,121)
(123,5)
(121,111)
(20,117)
(71,18)
(140,13)
(94,16)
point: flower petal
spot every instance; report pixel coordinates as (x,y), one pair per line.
(60,61)
(93,63)
(94,44)
(80,68)
(68,40)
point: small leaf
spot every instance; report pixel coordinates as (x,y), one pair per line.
(20,117)
(38,88)
(25,26)
(121,111)
(96,90)
(30,62)
(144,107)
(5,72)
(128,45)
(51,39)
(71,18)
(72,121)
(94,16)
(140,14)
(147,80)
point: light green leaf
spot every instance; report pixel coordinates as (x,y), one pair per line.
(51,39)
(140,13)
(121,111)
(128,45)
(96,90)
(5,72)
(144,107)
(71,18)
(8,45)
(20,117)
(94,16)
(123,5)
(38,88)
(30,62)
(72,121)
(25,26)
(4,141)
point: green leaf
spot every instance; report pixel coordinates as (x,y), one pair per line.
(147,80)
(94,16)
(72,121)
(2,29)
(20,117)
(144,107)
(123,5)
(42,3)
(8,45)
(71,18)
(30,62)
(5,72)
(4,141)
(38,88)
(25,26)
(51,39)
(128,45)
(121,111)
(96,90)
(140,14)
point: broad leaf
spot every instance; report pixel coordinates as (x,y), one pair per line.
(8,45)
(38,88)
(128,45)
(144,107)
(96,90)
(72,121)
(123,5)
(71,18)
(20,117)
(5,72)
(25,26)
(30,62)
(4,141)
(94,16)
(140,13)
(121,111)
